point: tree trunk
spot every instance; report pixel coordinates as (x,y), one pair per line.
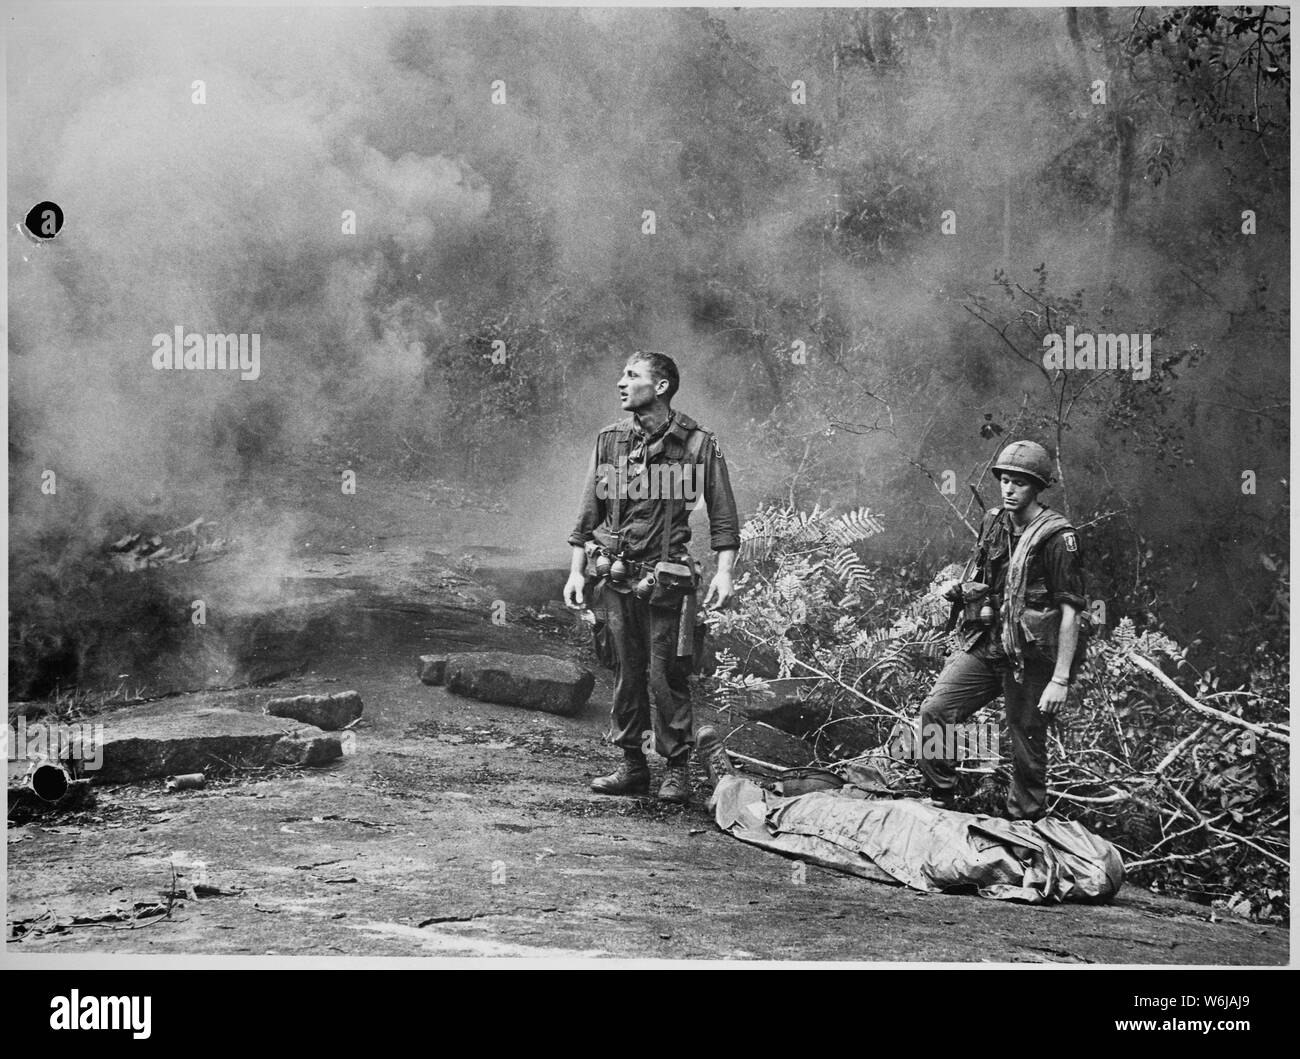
(1006,224)
(1119,199)
(882,38)
(1076,39)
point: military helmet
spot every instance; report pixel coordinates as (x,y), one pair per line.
(1028,458)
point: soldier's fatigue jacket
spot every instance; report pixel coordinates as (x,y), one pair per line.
(1055,575)
(681,443)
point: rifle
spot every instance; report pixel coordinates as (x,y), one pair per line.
(967,573)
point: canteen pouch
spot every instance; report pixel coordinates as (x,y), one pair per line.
(601,638)
(603,642)
(672,581)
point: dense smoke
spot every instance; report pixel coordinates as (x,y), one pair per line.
(228,216)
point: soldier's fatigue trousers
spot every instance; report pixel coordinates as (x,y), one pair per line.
(645,644)
(972,679)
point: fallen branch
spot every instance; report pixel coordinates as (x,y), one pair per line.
(1176,857)
(1195,813)
(1184,833)
(754,761)
(854,691)
(1109,799)
(1177,751)
(1247,842)
(847,687)
(1209,711)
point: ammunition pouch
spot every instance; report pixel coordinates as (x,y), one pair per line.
(672,581)
(1042,633)
(970,612)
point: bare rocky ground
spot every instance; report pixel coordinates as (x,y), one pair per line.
(460,828)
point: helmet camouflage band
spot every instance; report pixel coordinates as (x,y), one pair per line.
(1028,458)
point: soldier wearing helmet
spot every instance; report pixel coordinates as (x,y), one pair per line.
(1020,608)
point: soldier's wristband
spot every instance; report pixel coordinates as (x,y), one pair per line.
(1059,680)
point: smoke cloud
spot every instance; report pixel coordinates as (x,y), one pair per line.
(348,191)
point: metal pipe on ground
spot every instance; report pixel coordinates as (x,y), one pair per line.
(49,781)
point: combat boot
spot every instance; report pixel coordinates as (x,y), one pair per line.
(941,798)
(632,777)
(676,787)
(712,755)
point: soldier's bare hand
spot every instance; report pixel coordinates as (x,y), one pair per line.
(1052,701)
(721,586)
(573,589)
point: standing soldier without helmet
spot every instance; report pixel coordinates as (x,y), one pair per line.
(1019,632)
(646,578)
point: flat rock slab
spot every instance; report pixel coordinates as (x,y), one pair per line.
(155,742)
(330,712)
(535,682)
(531,587)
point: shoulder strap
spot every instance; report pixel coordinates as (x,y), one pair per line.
(1048,523)
(666,527)
(693,449)
(695,444)
(616,501)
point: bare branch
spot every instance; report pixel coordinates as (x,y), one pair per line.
(946,498)
(1210,711)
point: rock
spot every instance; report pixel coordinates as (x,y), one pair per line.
(164,739)
(756,739)
(433,669)
(535,682)
(310,750)
(329,712)
(778,703)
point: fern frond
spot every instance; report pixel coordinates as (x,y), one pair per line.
(766,529)
(785,657)
(850,572)
(770,527)
(853,527)
(1125,635)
